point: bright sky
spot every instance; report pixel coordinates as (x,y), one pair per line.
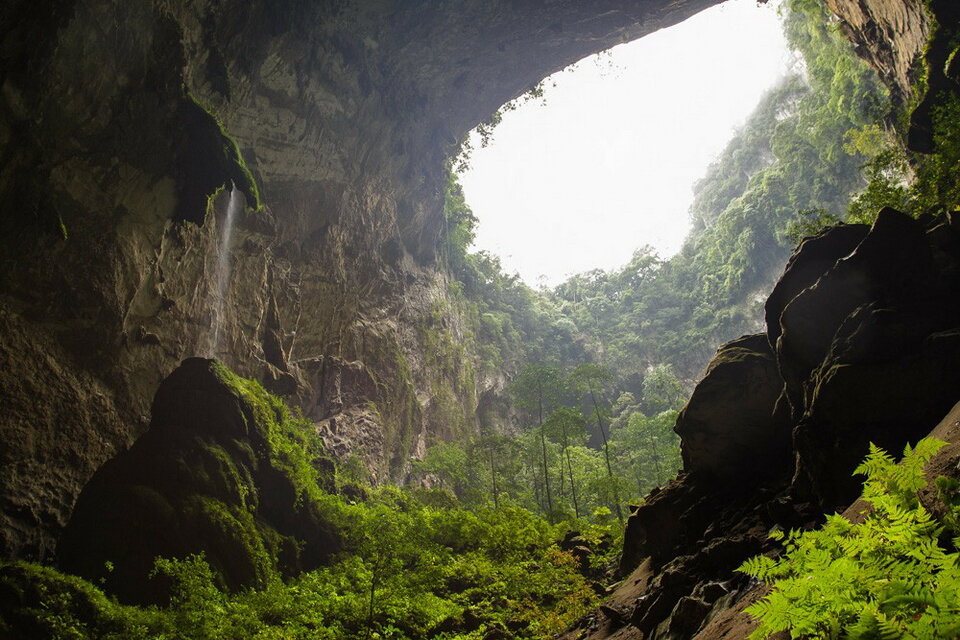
(608,164)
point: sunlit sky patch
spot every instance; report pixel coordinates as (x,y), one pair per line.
(608,163)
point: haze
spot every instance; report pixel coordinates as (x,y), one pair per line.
(607,165)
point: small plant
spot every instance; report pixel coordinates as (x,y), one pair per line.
(890,576)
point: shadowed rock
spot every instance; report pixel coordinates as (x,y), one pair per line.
(730,426)
(210,476)
(866,325)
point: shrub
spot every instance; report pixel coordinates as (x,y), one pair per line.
(893,575)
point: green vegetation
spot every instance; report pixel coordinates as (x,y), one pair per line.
(915,183)
(790,170)
(231,160)
(549,464)
(644,332)
(416,571)
(788,158)
(895,574)
(600,367)
(413,563)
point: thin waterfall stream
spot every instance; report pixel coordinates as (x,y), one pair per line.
(223,269)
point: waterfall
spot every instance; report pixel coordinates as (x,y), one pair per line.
(223,270)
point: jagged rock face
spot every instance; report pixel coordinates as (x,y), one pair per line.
(890,34)
(862,345)
(727,424)
(901,39)
(888,346)
(207,477)
(345,114)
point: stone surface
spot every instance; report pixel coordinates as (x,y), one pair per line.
(730,421)
(345,114)
(813,257)
(890,35)
(866,324)
(204,478)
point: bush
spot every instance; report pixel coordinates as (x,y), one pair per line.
(893,575)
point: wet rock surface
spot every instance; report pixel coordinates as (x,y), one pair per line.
(206,478)
(119,121)
(862,346)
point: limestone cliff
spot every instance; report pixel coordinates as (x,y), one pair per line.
(119,123)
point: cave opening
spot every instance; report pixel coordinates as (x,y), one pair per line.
(602,158)
(399,438)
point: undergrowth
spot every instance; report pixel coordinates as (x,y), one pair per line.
(894,575)
(415,564)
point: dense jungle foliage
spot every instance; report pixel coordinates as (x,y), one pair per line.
(520,525)
(551,465)
(414,563)
(603,362)
(795,163)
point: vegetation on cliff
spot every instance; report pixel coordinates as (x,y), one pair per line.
(551,465)
(794,165)
(648,329)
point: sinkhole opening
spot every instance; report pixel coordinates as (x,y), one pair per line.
(638,212)
(606,160)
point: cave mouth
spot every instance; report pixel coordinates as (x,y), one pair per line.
(619,139)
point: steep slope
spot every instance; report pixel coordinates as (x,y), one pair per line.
(862,341)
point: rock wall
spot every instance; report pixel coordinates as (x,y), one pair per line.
(119,123)
(889,34)
(862,345)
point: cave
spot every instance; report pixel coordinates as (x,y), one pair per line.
(127,131)
(344,116)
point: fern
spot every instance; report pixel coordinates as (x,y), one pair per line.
(886,578)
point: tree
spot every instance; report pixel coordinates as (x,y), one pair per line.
(568,426)
(662,389)
(589,379)
(537,389)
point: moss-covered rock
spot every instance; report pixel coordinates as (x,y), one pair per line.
(225,470)
(39,602)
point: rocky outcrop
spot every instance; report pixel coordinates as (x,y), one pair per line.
(863,345)
(887,354)
(118,121)
(913,45)
(223,471)
(889,34)
(728,424)
(734,624)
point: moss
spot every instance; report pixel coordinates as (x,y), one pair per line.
(238,552)
(242,176)
(208,159)
(294,446)
(222,475)
(40,602)
(451,372)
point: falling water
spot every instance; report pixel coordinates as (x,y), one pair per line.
(223,269)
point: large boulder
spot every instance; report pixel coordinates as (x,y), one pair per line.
(891,266)
(730,427)
(862,345)
(223,471)
(815,256)
(869,352)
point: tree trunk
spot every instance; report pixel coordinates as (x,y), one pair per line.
(606,455)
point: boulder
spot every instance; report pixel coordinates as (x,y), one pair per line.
(892,266)
(815,256)
(221,471)
(730,427)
